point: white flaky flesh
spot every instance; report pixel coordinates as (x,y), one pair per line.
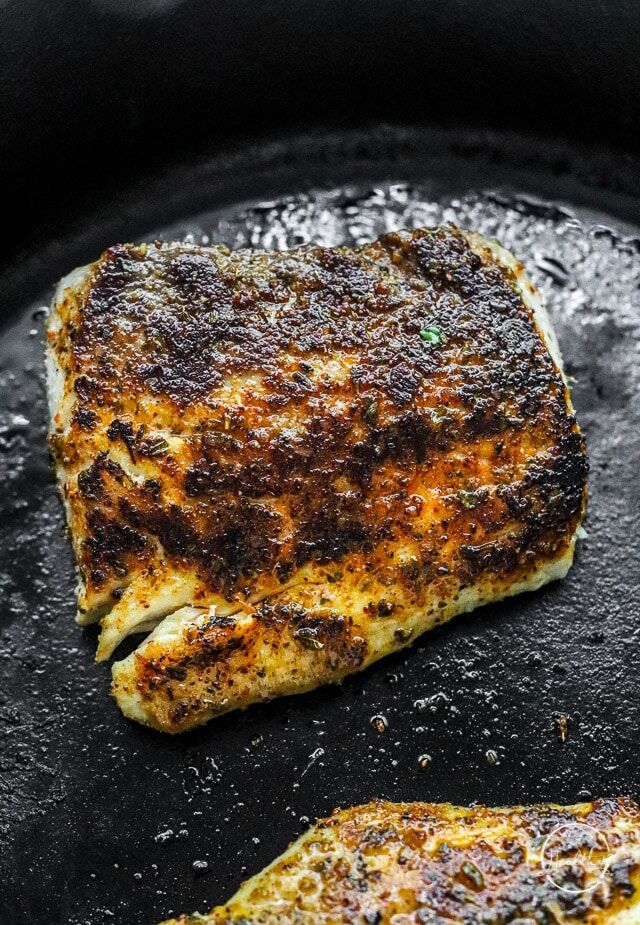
(61,412)
(138,608)
(289,670)
(173,604)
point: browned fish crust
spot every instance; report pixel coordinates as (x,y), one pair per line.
(372,434)
(174,321)
(419,863)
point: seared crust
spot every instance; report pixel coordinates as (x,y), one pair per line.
(377,434)
(417,863)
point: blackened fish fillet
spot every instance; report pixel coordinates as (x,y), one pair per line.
(419,863)
(287,465)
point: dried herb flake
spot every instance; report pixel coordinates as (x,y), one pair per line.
(432,334)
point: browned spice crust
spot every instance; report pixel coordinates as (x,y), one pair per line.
(172,325)
(417,863)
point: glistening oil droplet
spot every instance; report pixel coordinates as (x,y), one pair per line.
(380,723)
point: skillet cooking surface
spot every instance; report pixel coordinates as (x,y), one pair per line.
(102,820)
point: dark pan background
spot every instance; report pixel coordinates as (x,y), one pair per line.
(117,119)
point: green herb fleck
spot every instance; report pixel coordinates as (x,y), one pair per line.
(471,499)
(370,413)
(301,379)
(471,871)
(153,446)
(308,637)
(432,334)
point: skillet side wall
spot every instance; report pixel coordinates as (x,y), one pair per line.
(96,91)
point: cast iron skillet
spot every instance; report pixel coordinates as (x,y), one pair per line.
(125,120)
